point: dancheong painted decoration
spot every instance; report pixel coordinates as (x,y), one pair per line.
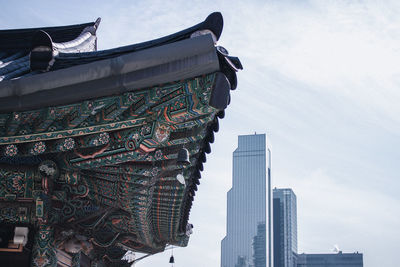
(101,152)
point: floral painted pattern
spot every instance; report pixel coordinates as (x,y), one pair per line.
(145,130)
(11,150)
(69,144)
(14,184)
(158,155)
(18,184)
(38,148)
(102,139)
(162,133)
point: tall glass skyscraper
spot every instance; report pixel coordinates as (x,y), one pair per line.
(285,228)
(249,206)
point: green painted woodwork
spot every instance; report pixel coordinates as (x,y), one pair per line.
(43,252)
(105,169)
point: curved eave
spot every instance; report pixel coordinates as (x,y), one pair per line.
(175,61)
(23,53)
(214,23)
(20,39)
(30,51)
(195,176)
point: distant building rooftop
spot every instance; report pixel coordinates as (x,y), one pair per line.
(330,260)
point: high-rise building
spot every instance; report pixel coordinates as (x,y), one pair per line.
(285,227)
(259,246)
(330,260)
(249,205)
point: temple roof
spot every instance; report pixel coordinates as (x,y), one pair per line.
(20,40)
(115,124)
(25,52)
(182,55)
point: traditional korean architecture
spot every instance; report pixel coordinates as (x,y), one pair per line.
(101,152)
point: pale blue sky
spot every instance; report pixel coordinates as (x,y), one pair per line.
(321,78)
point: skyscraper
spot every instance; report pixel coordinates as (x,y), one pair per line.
(259,247)
(285,227)
(249,205)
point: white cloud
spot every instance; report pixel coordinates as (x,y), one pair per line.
(331,212)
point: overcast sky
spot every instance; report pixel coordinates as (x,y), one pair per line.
(321,78)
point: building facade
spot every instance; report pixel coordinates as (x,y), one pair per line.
(285,227)
(259,248)
(249,205)
(330,260)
